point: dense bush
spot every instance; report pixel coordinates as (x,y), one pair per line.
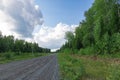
(8,55)
(88,50)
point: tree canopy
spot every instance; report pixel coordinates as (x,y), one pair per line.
(8,43)
(100,31)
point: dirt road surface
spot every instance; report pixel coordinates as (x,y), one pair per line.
(42,68)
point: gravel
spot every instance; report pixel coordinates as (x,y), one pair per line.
(42,68)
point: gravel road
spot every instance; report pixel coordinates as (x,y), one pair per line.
(42,68)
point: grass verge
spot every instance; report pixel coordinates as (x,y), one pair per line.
(9,56)
(88,67)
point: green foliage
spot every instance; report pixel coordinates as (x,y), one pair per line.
(14,49)
(115,42)
(106,43)
(97,30)
(69,51)
(70,68)
(9,44)
(10,56)
(114,72)
(7,55)
(87,40)
(88,50)
(78,38)
(100,29)
(88,67)
(69,37)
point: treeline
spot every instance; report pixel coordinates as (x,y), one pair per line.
(99,33)
(9,44)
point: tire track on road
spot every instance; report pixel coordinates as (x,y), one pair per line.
(42,68)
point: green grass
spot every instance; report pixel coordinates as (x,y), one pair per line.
(88,67)
(70,68)
(9,56)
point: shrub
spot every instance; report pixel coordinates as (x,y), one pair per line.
(67,51)
(88,50)
(8,55)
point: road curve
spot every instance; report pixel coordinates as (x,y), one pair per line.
(42,68)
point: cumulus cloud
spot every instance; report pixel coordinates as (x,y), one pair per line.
(53,37)
(23,19)
(19,17)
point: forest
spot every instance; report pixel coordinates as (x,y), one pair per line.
(10,44)
(99,33)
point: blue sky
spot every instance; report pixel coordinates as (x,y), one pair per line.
(25,19)
(64,11)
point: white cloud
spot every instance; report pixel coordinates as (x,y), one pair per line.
(53,37)
(19,17)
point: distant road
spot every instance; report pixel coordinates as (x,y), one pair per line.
(42,68)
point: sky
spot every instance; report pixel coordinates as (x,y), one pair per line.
(65,11)
(42,21)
